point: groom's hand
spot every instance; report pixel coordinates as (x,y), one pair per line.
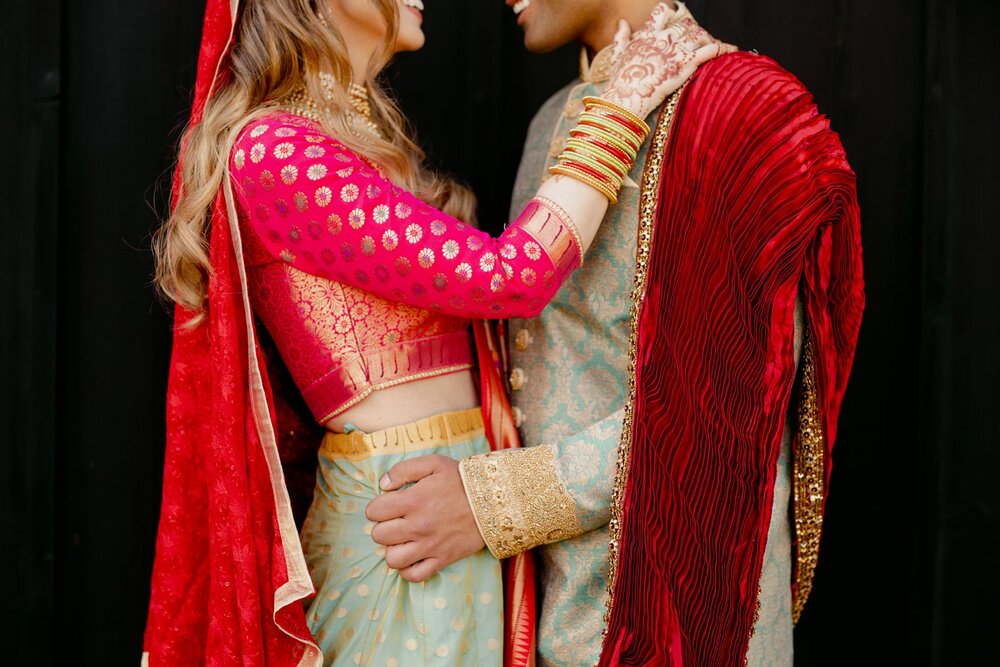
(428,525)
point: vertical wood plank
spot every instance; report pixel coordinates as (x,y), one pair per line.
(128,72)
(960,327)
(29,209)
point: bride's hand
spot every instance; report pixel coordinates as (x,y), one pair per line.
(655,62)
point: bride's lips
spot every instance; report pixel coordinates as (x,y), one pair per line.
(416,8)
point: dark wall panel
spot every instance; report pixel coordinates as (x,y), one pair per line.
(960,330)
(127,70)
(29,209)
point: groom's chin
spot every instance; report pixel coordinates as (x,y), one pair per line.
(539,42)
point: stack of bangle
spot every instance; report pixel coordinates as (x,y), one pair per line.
(602,146)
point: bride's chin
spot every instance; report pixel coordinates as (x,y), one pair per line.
(410,40)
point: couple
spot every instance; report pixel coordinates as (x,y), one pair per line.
(682,312)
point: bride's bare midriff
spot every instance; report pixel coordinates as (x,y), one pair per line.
(410,402)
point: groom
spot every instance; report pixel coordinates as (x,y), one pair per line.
(678,399)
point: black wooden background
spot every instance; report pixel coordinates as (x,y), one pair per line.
(93,95)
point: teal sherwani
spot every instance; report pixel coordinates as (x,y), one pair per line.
(570,383)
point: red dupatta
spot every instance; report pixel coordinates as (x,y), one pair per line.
(750,201)
(229,574)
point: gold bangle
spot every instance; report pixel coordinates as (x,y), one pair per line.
(614,179)
(622,168)
(586,179)
(587,166)
(616,127)
(597,129)
(617,108)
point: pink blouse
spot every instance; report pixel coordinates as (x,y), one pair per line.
(361,284)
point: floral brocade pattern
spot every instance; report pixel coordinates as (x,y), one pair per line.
(320,208)
(361,284)
(344,342)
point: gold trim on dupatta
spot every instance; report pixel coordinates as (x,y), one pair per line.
(299,585)
(808,480)
(647,211)
(234,12)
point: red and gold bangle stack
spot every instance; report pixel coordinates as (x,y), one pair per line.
(602,146)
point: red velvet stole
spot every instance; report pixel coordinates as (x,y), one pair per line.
(756,202)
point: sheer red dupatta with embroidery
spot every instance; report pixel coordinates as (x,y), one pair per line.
(755,203)
(229,574)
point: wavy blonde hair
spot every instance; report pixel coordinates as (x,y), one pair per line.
(281,47)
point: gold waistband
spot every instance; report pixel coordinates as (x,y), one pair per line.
(445,429)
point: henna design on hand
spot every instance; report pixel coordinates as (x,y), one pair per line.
(655,61)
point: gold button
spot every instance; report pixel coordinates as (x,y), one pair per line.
(517,379)
(522,340)
(573,108)
(519,417)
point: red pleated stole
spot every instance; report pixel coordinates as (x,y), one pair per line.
(756,203)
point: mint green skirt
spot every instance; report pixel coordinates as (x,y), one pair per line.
(364,613)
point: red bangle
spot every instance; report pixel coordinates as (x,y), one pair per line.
(614,150)
(590,171)
(617,170)
(623,121)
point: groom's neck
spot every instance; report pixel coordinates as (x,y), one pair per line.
(603,31)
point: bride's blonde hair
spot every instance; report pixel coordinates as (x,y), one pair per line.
(282,46)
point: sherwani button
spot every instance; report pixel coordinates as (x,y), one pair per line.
(522,340)
(517,379)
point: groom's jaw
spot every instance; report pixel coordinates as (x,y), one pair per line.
(549,24)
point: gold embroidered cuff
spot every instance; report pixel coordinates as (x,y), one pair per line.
(518,499)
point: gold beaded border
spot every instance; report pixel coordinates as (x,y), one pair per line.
(808,479)
(647,210)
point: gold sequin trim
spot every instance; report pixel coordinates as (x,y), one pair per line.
(647,210)
(808,478)
(518,499)
(753,628)
(597,70)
